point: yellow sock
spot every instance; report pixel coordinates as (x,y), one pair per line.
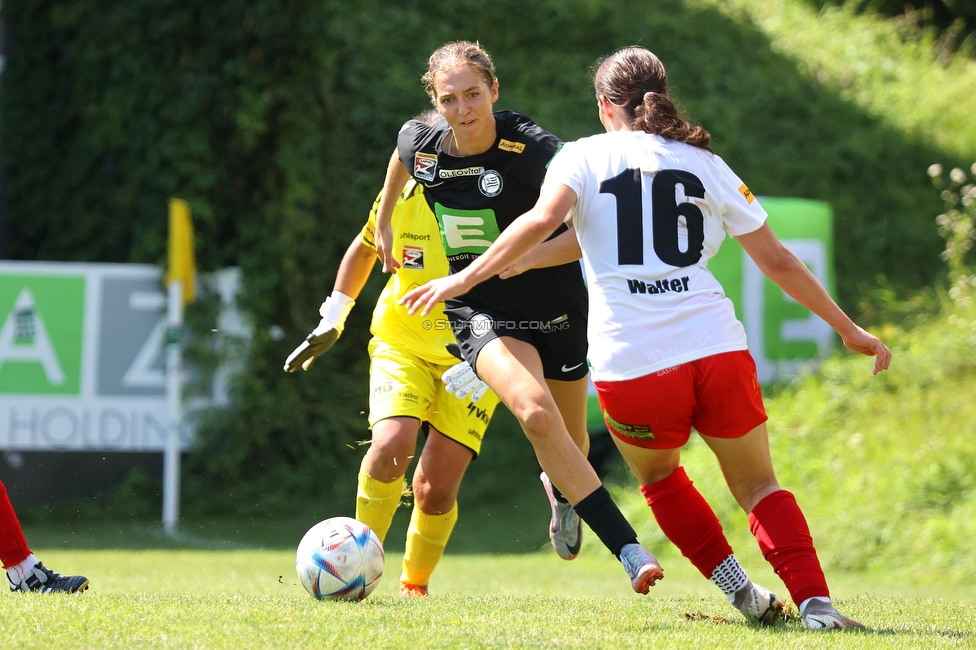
(376,502)
(426,538)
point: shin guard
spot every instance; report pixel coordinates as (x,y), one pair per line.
(688,521)
(785,541)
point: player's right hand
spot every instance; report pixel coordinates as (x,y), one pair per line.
(313,346)
(383,243)
(334,311)
(424,298)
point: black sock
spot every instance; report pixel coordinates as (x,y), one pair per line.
(557,494)
(604,518)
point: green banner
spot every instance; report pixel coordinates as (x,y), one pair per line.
(41,334)
(82,357)
(783,335)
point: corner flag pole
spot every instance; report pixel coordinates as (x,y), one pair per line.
(174,397)
(180,290)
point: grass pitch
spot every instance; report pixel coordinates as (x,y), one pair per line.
(252,599)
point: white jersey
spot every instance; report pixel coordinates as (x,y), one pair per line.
(651,212)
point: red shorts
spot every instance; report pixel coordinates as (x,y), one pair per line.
(719,396)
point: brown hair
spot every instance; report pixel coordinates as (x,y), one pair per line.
(454,55)
(635,80)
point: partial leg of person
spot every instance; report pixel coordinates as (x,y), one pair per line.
(571,401)
(514,371)
(380,484)
(778,525)
(436,482)
(690,523)
(401,390)
(565,527)
(13,544)
(650,418)
(24,571)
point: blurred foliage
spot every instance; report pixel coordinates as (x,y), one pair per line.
(275,122)
(957,225)
(951,24)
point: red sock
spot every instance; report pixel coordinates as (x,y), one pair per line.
(688,521)
(785,542)
(13,545)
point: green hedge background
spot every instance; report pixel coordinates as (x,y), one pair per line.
(275,121)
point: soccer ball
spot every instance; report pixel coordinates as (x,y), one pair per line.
(340,559)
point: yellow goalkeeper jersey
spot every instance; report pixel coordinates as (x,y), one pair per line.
(417,246)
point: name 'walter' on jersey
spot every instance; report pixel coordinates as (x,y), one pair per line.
(651,212)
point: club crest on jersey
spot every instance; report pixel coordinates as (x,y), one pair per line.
(490,183)
(424,165)
(413,258)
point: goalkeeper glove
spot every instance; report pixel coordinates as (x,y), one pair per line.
(462,381)
(333,311)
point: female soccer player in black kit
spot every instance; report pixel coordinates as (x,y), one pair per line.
(525,336)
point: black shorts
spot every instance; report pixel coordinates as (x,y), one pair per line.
(558,333)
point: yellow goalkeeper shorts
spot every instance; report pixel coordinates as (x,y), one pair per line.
(401,384)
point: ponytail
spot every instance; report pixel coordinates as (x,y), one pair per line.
(658,115)
(635,80)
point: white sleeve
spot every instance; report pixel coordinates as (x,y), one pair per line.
(566,168)
(741,213)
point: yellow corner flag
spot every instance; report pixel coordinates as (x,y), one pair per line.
(182,265)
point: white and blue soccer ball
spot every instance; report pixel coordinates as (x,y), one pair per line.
(340,559)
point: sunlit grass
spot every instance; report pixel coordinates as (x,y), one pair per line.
(880,65)
(252,599)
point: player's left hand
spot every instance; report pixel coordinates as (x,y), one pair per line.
(863,342)
(462,381)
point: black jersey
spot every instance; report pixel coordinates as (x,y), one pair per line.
(476,197)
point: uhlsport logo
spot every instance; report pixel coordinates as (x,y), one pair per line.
(41,334)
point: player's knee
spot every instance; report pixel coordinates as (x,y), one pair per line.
(748,494)
(430,499)
(386,462)
(537,420)
(380,455)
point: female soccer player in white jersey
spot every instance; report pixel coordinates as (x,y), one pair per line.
(525,336)
(651,204)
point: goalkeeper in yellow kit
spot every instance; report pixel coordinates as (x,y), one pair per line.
(413,380)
